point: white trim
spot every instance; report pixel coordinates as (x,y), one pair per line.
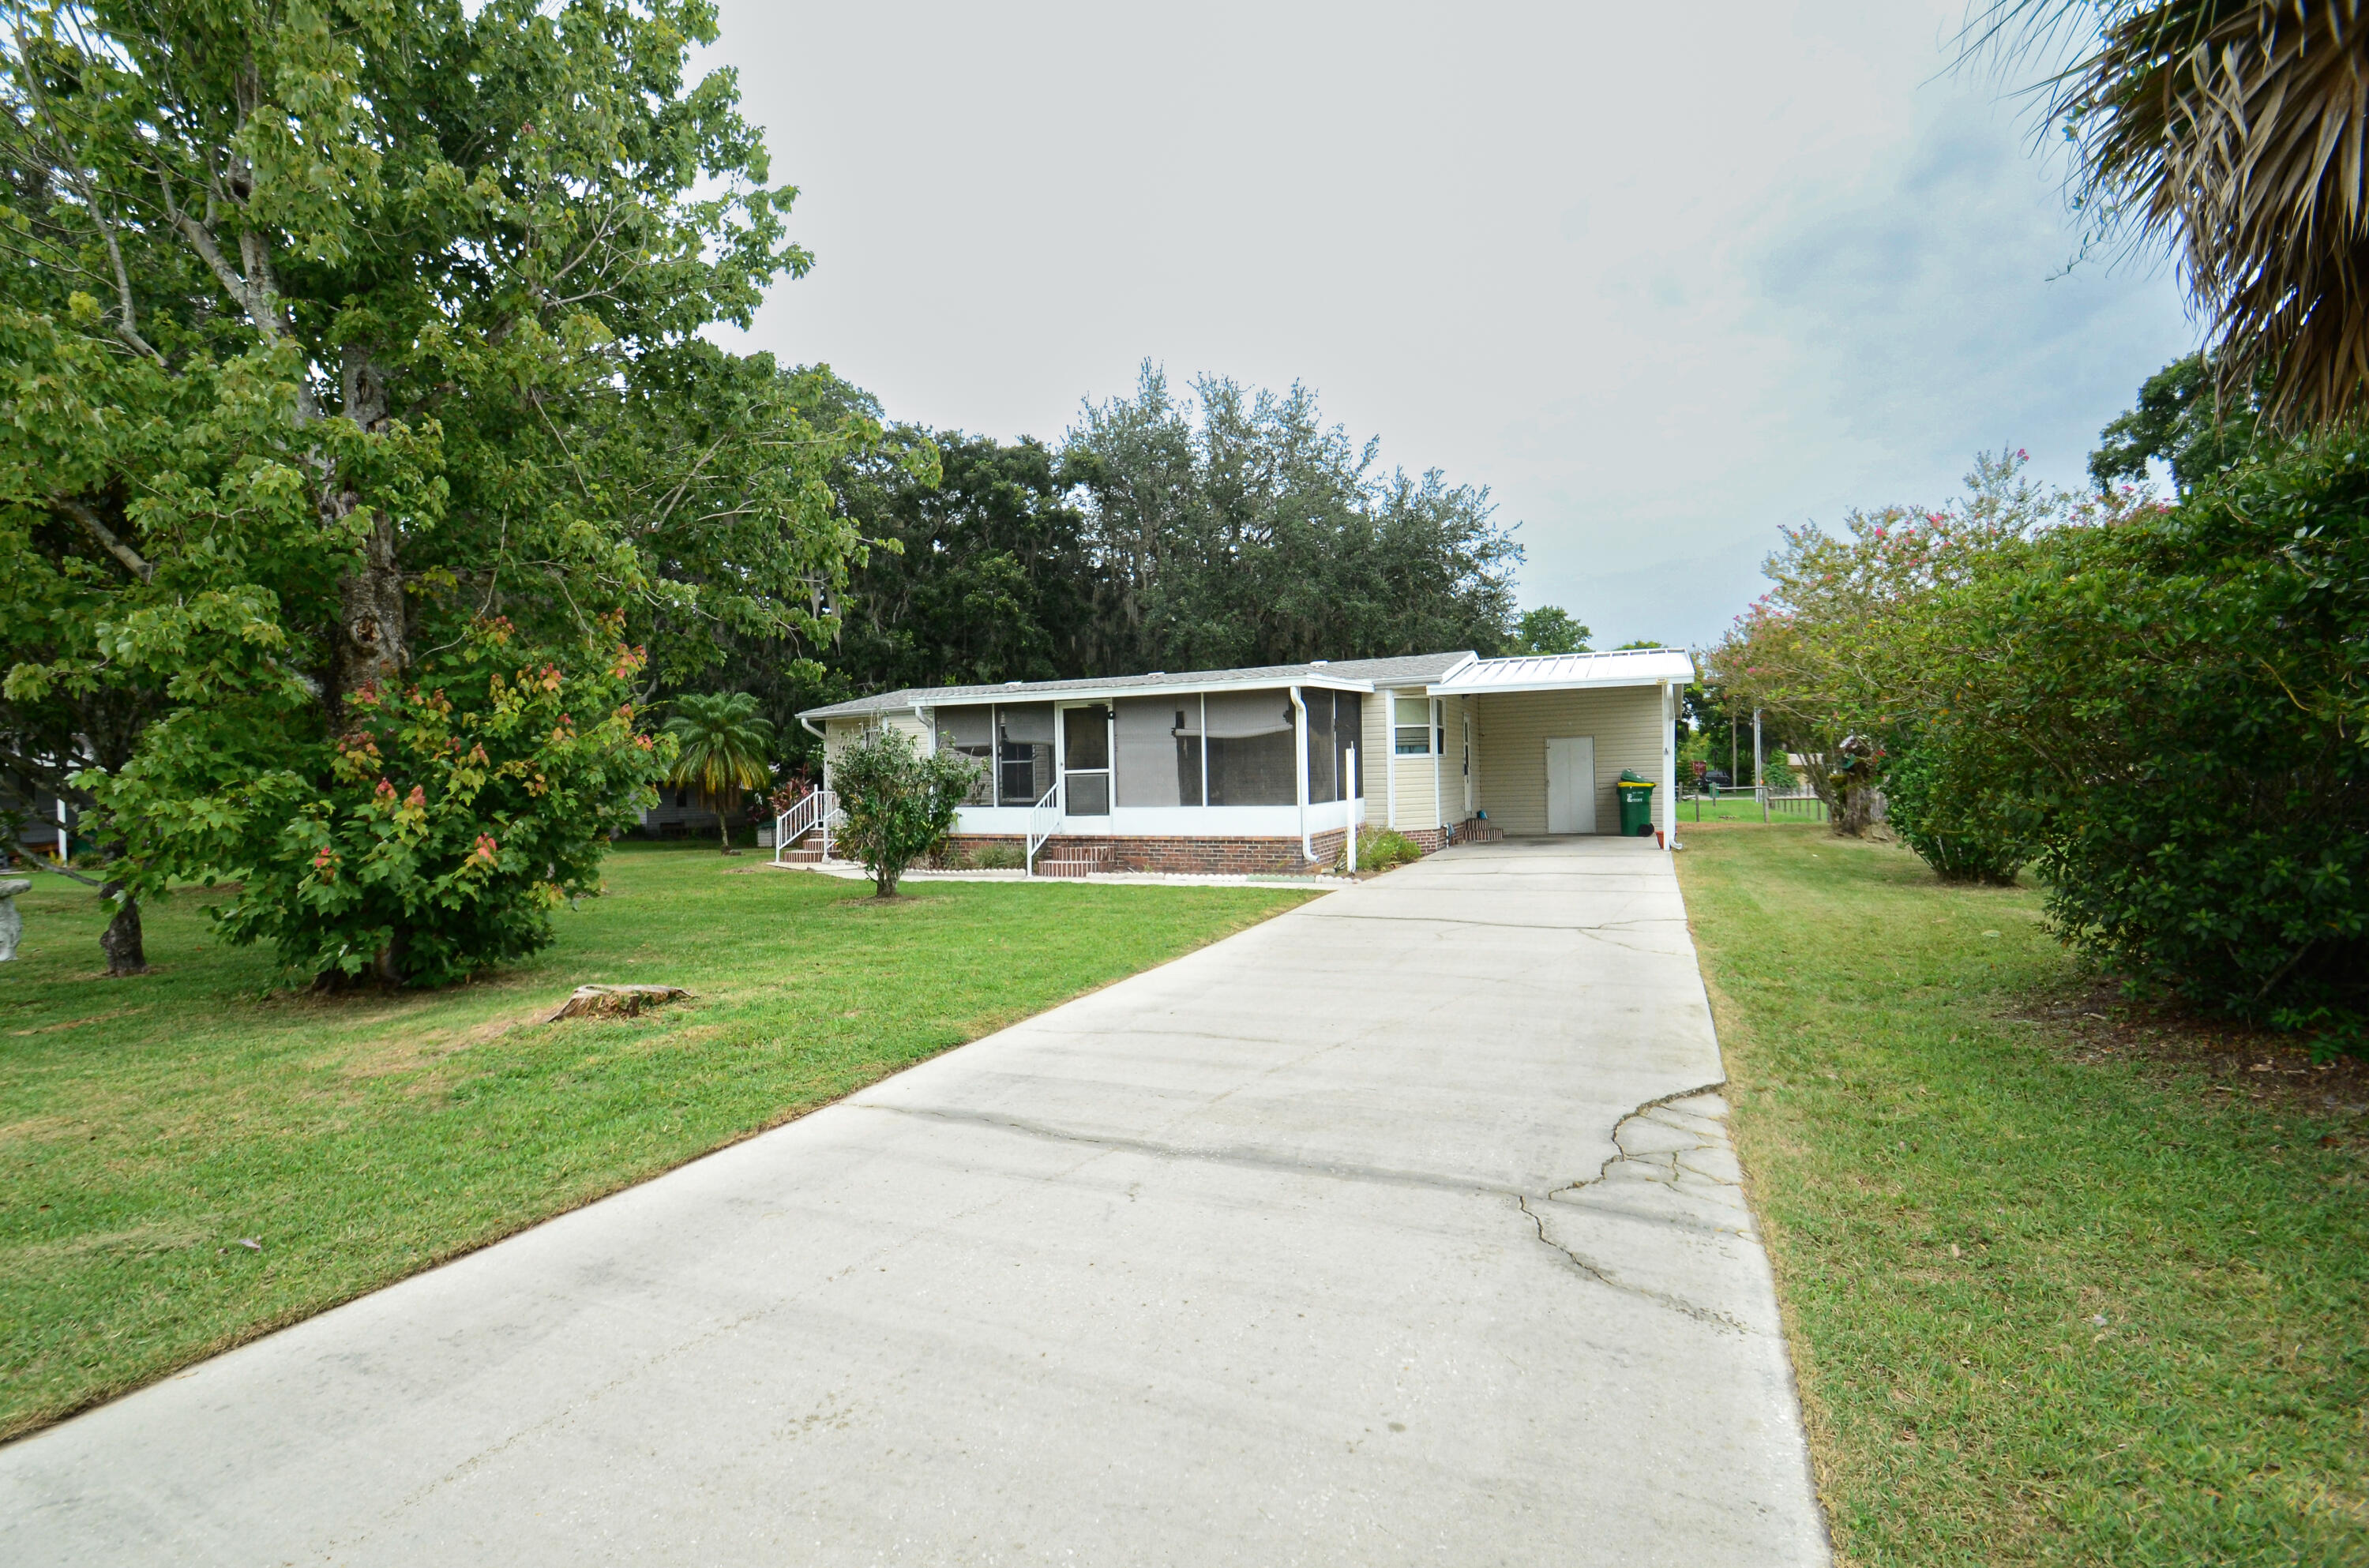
(1669,769)
(1166,821)
(1017,695)
(1390,753)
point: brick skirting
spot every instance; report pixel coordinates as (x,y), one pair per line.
(1206,856)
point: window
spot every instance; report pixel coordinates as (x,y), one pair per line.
(1412,719)
(970,732)
(1024,752)
(1159,751)
(1249,749)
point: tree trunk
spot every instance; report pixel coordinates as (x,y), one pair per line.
(723,825)
(127,953)
(370,648)
(392,960)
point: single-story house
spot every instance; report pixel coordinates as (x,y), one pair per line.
(1267,768)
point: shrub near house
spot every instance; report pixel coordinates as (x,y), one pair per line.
(899,803)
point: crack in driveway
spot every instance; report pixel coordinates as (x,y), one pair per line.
(1655,1163)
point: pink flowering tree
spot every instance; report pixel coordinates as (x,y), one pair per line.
(1851,651)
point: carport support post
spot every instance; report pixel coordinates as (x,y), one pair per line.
(1669,769)
(1355,799)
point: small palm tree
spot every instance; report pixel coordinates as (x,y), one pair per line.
(723,749)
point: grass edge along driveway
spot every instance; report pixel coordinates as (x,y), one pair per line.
(2046,1307)
(193,1158)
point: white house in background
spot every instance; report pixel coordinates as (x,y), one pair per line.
(1267,768)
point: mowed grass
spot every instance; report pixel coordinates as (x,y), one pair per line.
(2045,1310)
(149,1126)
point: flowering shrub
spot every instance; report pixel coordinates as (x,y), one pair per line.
(436,833)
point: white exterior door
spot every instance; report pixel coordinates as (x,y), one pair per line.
(1571,784)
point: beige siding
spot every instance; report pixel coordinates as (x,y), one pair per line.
(1374,750)
(1511,733)
(838,734)
(1415,805)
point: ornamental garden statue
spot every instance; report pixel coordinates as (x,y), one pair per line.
(12,925)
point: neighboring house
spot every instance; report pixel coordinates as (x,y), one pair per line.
(681,812)
(1265,769)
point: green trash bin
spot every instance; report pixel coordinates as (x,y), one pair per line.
(1636,805)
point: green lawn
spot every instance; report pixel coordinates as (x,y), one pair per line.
(147,1126)
(2049,1305)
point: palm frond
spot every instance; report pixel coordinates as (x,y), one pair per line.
(2237,133)
(722,745)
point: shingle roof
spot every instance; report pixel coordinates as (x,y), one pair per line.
(1413,670)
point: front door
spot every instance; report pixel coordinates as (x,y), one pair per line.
(1571,784)
(1086,760)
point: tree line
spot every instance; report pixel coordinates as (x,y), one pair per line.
(1225,526)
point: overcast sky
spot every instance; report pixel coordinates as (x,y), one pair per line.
(1662,278)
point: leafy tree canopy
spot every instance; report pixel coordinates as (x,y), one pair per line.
(2183,421)
(358,383)
(1549,629)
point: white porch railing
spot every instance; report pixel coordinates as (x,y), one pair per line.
(818,810)
(1044,821)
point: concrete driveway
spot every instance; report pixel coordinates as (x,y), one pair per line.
(1402,1229)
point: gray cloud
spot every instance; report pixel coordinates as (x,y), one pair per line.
(1665,279)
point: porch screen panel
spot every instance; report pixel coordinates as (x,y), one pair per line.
(1023,737)
(970,732)
(1159,751)
(1348,733)
(1321,769)
(1250,746)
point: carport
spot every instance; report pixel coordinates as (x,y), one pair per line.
(1535,745)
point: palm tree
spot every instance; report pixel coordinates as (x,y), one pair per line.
(725,749)
(2236,132)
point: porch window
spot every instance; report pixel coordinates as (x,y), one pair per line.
(1159,751)
(1348,732)
(1249,749)
(1336,724)
(1323,763)
(970,732)
(1024,752)
(1411,717)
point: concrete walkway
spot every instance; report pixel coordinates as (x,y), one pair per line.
(1403,1229)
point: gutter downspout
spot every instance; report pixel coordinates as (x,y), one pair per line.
(1391,754)
(1300,725)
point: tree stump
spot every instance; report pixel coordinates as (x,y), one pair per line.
(614,1001)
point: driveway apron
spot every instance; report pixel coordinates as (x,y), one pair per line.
(1401,1228)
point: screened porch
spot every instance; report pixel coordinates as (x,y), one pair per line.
(1250,761)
